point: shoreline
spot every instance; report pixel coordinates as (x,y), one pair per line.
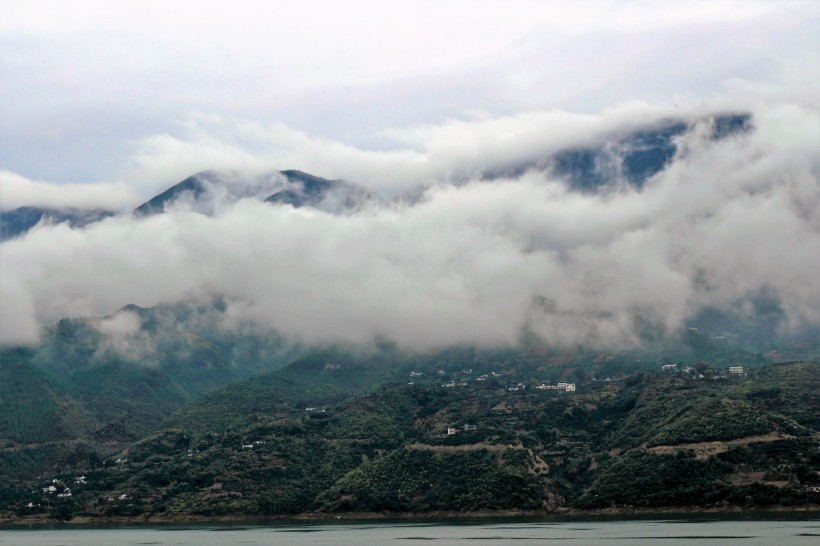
(353,517)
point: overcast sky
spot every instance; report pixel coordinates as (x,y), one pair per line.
(108,103)
(96,91)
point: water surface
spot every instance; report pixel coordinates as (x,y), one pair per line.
(669,532)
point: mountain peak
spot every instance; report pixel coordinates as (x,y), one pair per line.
(206,190)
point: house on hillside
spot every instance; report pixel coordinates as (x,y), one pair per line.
(451,431)
(736,370)
(563,386)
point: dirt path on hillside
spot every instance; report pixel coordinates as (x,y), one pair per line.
(465,447)
(704,450)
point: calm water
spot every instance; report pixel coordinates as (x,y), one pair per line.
(642,532)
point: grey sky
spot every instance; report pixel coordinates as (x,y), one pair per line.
(84,84)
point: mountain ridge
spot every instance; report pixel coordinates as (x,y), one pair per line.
(619,160)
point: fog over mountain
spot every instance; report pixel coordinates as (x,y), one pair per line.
(458,256)
(416,172)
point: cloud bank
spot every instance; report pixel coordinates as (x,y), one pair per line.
(473,262)
(19,191)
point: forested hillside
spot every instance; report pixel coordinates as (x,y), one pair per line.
(93,386)
(461,430)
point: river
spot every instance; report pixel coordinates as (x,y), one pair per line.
(780,531)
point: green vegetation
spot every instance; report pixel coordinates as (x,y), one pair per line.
(340,430)
(425,480)
(80,391)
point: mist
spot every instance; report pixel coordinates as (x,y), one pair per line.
(469,260)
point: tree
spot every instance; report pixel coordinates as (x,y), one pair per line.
(94,460)
(703,366)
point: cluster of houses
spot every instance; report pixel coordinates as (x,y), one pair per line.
(253,444)
(454,383)
(465,428)
(560,386)
(733,370)
(66,491)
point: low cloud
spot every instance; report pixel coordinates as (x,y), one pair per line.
(123,335)
(455,150)
(19,191)
(122,323)
(476,262)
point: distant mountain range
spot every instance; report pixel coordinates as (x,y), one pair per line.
(203,191)
(19,221)
(630,159)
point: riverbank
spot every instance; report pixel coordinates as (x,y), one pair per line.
(606,513)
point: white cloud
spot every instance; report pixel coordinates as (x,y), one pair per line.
(93,92)
(724,222)
(122,323)
(17,191)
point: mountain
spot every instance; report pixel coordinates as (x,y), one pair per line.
(340,433)
(180,411)
(16,222)
(627,158)
(206,191)
(84,389)
(192,187)
(35,407)
(616,160)
(635,157)
(307,190)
